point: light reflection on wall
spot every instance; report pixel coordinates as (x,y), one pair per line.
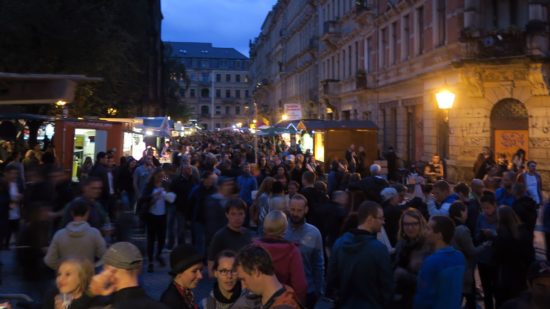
(319,149)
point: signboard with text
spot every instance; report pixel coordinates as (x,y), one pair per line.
(509,141)
(293,111)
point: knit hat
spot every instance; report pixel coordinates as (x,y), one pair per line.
(388,193)
(183,257)
(538,269)
(123,255)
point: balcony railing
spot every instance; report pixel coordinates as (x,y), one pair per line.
(364,11)
(330,87)
(494,44)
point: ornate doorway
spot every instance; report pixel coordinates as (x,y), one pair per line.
(509,127)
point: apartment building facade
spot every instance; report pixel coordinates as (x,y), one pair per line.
(284,60)
(219,90)
(385,61)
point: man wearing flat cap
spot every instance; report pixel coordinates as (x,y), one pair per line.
(187,265)
(122,263)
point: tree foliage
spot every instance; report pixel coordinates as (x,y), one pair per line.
(98,38)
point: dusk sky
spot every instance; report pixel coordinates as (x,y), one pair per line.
(225,23)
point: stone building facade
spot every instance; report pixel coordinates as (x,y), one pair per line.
(385,60)
(219,93)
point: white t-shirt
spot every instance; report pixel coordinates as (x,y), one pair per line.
(532,187)
(158,208)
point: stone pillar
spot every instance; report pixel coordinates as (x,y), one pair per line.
(537,29)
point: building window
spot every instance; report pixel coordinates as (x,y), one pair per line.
(350,63)
(246,94)
(368,58)
(218,93)
(192,93)
(393,48)
(204,64)
(227,77)
(383,47)
(238,78)
(237,110)
(218,110)
(204,110)
(182,93)
(205,77)
(406,37)
(218,78)
(238,94)
(357,54)
(205,93)
(228,93)
(441,22)
(227,110)
(420,30)
(246,78)
(344,63)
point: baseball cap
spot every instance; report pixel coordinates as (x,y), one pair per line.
(388,193)
(123,255)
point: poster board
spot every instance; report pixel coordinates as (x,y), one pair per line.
(509,141)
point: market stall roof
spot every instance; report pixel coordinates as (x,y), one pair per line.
(18,88)
(316,124)
(23,116)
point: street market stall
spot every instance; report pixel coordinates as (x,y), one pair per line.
(329,139)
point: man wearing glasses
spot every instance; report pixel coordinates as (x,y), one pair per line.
(359,271)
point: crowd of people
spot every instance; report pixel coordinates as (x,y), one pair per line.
(272,229)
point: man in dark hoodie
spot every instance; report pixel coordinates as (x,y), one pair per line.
(359,271)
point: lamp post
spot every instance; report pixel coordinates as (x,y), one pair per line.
(445,100)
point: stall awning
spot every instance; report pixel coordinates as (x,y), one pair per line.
(16,88)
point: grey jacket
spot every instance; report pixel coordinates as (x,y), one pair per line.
(79,240)
(462,241)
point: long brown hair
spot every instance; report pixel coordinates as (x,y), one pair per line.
(508,220)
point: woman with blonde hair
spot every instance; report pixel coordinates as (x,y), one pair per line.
(73,278)
(410,251)
(285,255)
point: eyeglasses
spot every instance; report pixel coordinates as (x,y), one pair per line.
(227,272)
(411,224)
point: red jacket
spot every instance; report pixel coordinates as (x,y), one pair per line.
(288,265)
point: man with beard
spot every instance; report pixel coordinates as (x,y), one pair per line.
(311,247)
(538,294)
(505,194)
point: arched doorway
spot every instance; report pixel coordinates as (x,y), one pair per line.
(509,127)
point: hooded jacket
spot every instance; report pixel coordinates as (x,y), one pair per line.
(78,239)
(360,272)
(287,261)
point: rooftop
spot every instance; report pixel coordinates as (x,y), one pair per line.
(203,50)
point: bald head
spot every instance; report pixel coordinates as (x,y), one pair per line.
(477,186)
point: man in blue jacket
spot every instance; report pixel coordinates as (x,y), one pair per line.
(440,278)
(359,272)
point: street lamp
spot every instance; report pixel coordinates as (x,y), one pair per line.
(445,100)
(284,117)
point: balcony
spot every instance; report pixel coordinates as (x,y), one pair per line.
(494,44)
(354,83)
(331,33)
(330,87)
(364,11)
